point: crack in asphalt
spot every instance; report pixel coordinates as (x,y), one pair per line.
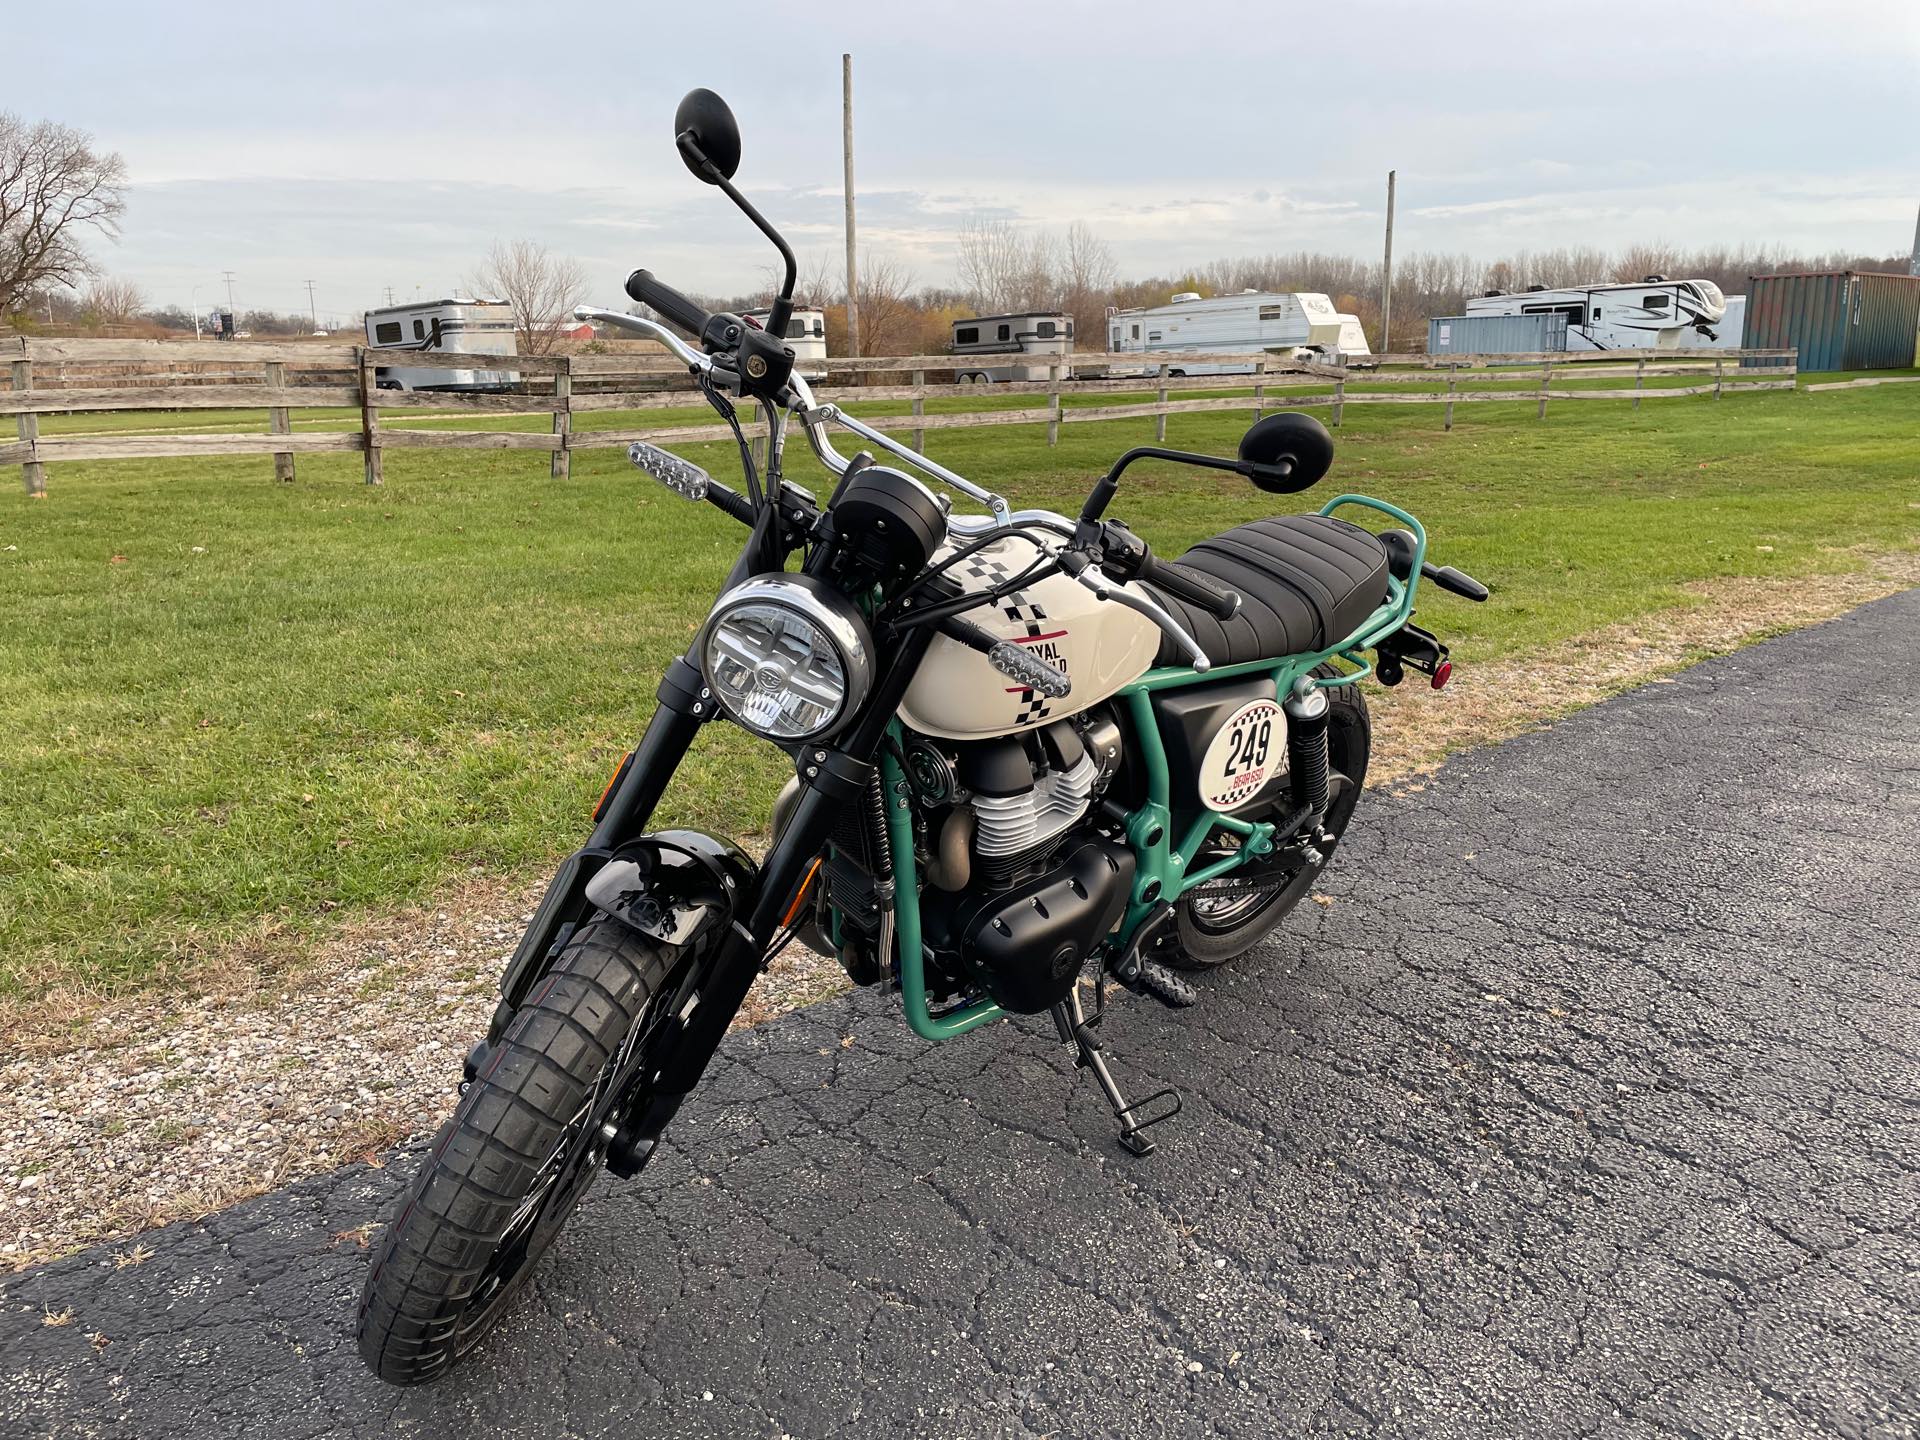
(1588,1106)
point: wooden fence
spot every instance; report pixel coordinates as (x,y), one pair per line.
(65,377)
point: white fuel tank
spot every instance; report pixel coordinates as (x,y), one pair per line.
(958,696)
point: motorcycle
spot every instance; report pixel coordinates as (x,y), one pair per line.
(1028,753)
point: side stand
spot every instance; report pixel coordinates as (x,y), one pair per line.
(1070,1018)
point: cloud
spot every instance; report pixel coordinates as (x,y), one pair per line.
(365,164)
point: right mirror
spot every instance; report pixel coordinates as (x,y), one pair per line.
(708,121)
(1287,452)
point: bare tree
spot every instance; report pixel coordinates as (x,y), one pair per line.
(541,287)
(111,302)
(822,279)
(1001,266)
(889,318)
(1637,262)
(54,189)
(1086,283)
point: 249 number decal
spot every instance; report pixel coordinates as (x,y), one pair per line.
(1242,756)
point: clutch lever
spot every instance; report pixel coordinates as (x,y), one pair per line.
(1076,564)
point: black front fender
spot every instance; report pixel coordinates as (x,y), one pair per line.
(677,886)
(680,887)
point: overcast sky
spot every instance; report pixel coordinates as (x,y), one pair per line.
(378,145)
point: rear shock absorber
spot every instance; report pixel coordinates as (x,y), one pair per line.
(1307,749)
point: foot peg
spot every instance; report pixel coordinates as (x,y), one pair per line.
(1070,1018)
(1158,981)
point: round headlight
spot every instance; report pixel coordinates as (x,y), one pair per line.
(787,657)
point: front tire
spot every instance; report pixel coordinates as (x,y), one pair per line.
(1208,932)
(507,1170)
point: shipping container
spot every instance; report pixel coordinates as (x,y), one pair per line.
(1843,320)
(1496,334)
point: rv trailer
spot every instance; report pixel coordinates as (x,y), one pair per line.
(806,336)
(477,327)
(1651,314)
(1299,325)
(980,345)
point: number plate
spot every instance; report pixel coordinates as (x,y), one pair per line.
(1243,755)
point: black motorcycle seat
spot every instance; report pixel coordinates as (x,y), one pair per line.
(1305,582)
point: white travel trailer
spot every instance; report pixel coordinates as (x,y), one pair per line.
(1043,333)
(806,334)
(478,327)
(1651,314)
(1300,325)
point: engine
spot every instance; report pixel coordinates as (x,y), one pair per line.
(1022,883)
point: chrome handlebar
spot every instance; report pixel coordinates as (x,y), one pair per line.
(1145,605)
(815,418)
(651,329)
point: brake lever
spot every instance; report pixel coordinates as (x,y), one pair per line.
(1076,564)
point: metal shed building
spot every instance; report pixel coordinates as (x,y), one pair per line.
(1842,320)
(1496,334)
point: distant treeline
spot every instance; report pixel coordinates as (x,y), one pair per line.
(898,318)
(1004,269)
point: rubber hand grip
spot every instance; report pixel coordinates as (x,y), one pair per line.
(677,308)
(1458,581)
(1192,587)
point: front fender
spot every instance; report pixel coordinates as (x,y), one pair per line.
(672,883)
(675,886)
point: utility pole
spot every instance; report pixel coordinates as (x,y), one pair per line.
(228,276)
(846,144)
(1386,279)
(1913,265)
(312,309)
(389,296)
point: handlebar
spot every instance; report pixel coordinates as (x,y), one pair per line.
(668,301)
(1192,587)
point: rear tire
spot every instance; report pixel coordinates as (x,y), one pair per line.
(508,1169)
(1203,944)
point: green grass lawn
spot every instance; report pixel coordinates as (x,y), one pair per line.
(228,701)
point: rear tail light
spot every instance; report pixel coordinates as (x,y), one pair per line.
(1442,673)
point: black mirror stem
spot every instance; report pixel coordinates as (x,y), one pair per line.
(782,310)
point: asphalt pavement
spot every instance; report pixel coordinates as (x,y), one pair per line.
(1590,1105)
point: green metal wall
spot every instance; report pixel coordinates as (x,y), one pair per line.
(1844,320)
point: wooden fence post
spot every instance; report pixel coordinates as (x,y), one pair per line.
(370,417)
(1260,389)
(1719,375)
(1160,416)
(1450,384)
(562,463)
(32,472)
(1639,379)
(1053,404)
(1546,375)
(920,408)
(1339,398)
(280,422)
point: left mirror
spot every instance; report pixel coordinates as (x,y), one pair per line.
(706,120)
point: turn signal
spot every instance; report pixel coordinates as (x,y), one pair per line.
(1442,673)
(612,780)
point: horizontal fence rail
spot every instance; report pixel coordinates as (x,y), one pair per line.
(73,377)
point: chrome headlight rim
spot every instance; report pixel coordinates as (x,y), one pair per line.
(832,616)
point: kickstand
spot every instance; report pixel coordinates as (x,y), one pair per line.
(1070,1019)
